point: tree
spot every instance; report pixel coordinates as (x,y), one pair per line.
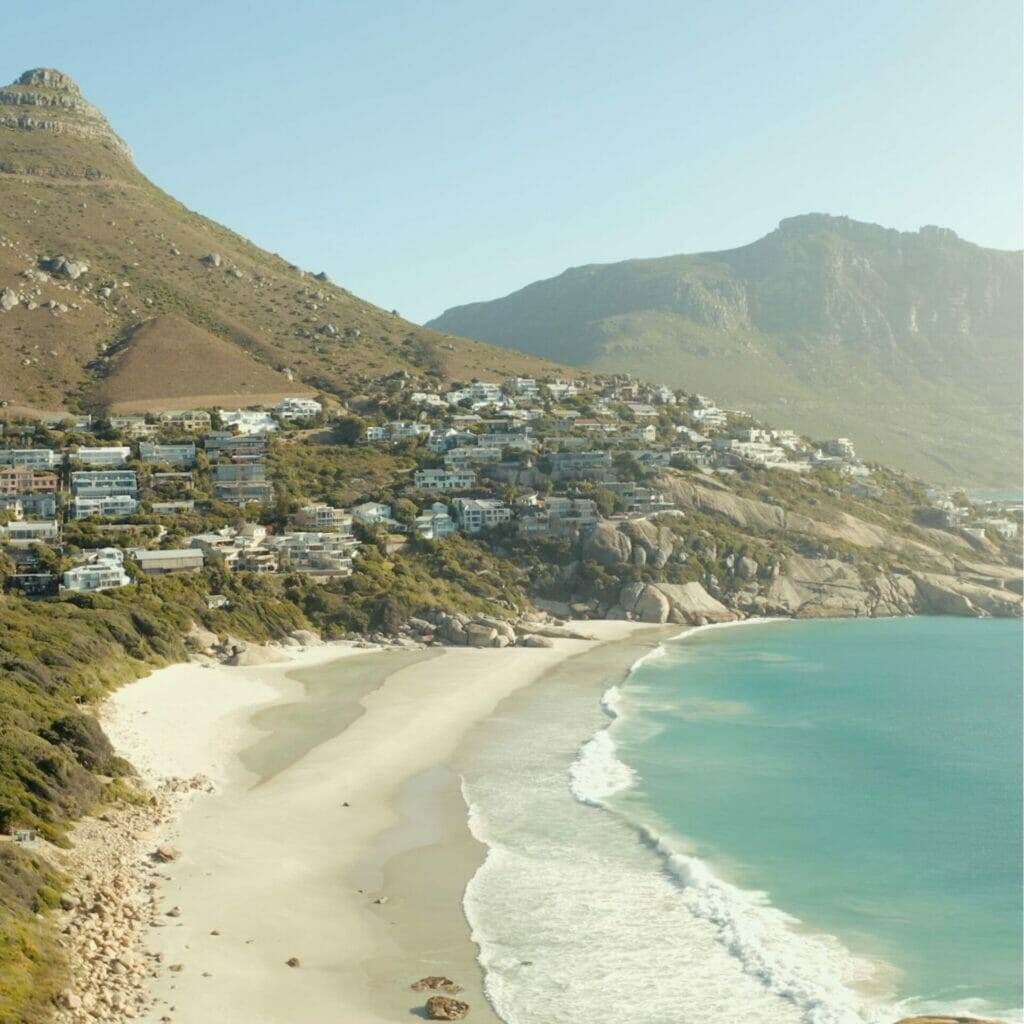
(349,430)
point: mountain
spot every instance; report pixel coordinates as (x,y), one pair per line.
(113,295)
(909,343)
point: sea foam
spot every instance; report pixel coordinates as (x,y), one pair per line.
(584,900)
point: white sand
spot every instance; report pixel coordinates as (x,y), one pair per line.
(269,867)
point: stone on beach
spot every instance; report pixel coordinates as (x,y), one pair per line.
(443,1008)
(436,983)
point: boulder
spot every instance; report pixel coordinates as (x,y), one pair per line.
(536,641)
(165,854)
(688,603)
(454,632)
(66,266)
(607,545)
(8,299)
(254,656)
(212,259)
(746,568)
(479,636)
(500,626)
(446,1008)
(652,606)
(306,637)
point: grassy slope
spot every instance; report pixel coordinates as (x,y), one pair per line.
(64,195)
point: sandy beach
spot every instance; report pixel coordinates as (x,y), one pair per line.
(335,833)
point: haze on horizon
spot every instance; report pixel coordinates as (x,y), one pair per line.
(428,156)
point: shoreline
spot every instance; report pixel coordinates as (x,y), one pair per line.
(272,862)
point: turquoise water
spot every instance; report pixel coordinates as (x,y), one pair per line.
(865,776)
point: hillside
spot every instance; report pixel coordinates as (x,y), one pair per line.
(910,343)
(90,250)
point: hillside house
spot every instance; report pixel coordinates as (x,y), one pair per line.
(596,466)
(167,561)
(474,514)
(107,455)
(110,506)
(23,480)
(183,454)
(321,554)
(105,483)
(134,427)
(34,506)
(104,570)
(435,522)
(187,421)
(30,531)
(298,409)
(242,481)
(373,513)
(444,479)
(222,443)
(460,458)
(324,517)
(249,421)
(30,458)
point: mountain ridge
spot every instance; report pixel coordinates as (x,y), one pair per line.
(820,316)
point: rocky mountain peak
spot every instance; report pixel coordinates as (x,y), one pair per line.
(48,78)
(48,100)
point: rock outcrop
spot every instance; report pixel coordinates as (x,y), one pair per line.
(461,630)
(685,603)
(56,105)
(606,544)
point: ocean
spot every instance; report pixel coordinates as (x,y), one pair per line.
(793,823)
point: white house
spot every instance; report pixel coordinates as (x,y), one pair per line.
(372,513)
(30,531)
(109,455)
(28,458)
(473,514)
(298,409)
(435,522)
(249,421)
(113,506)
(104,570)
(324,517)
(443,479)
(104,483)
(325,554)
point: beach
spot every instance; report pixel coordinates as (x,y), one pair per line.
(334,833)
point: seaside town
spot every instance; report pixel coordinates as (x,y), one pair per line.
(89,504)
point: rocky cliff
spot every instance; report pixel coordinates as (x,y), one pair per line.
(45,100)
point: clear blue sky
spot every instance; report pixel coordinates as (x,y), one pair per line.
(427,153)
